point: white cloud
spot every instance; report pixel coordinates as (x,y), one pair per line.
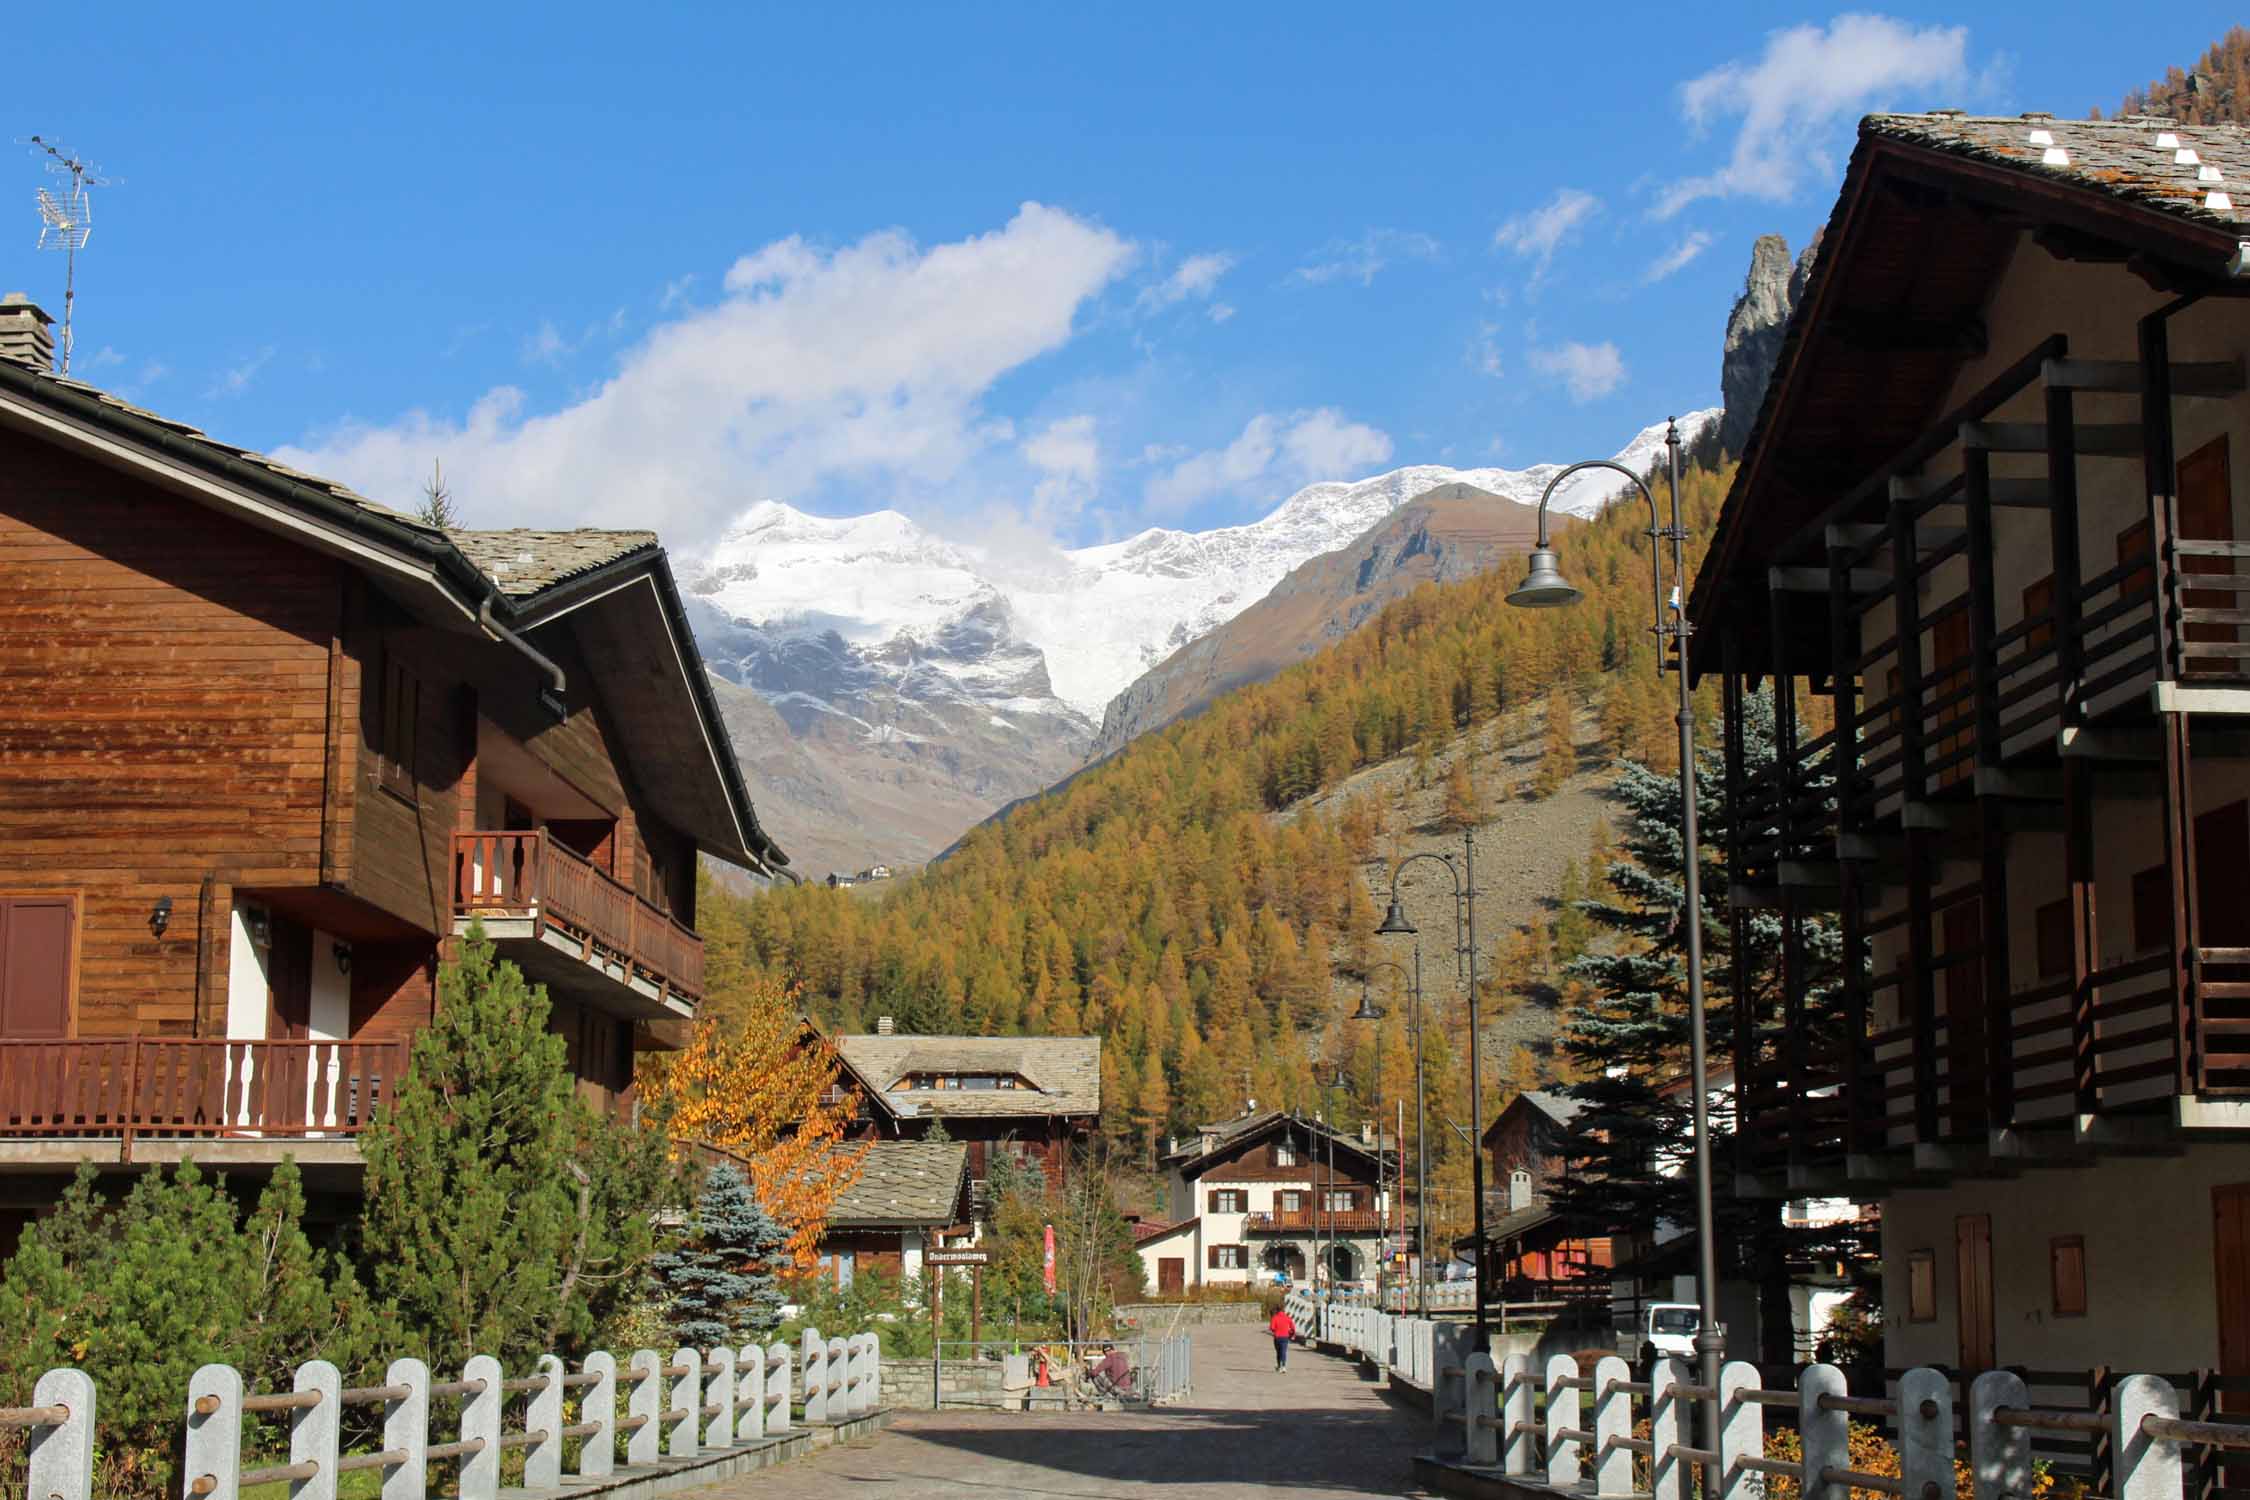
(1196,277)
(1221,311)
(676,292)
(1696,242)
(1587,371)
(546,346)
(1539,234)
(1068,455)
(1361,259)
(867,361)
(233,382)
(1807,79)
(1293,448)
(103,358)
(1484,350)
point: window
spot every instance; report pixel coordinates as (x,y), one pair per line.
(400,706)
(2066,1254)
(1230,1201)
(1339,1200)
(1292,1201)
(1229,1258)
(1921,1286)
(1284,1154)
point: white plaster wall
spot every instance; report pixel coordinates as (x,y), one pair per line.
(329,1016)
(246,984)
(2151,1301)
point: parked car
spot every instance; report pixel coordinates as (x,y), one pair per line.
(1668,1330)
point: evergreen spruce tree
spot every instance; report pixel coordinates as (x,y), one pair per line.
(720,1284)
(503,1215)
(1629,1150)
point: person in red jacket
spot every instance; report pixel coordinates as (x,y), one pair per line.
(1283,1328)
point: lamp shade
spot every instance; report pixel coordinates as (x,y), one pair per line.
(1342,1080)
(1367,1010)
(1544,587)
(1395,924)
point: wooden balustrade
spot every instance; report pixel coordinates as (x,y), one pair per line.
(1317,1221)
(525,872)
(193,1086)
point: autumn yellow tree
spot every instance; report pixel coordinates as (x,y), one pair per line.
(1464,799)
(758,1086)
(1558,757)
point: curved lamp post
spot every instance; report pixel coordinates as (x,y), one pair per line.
(1368,1012)
(1465,949)
(1544,587)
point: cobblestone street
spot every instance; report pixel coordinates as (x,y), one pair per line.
(1319,1430)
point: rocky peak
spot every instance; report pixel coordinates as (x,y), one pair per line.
(1770,293)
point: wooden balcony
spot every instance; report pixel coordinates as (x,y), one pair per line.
(573,927)
(177,1089)
(1315,1221)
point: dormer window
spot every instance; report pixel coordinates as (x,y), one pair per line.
(1284,1154)
(908,1081)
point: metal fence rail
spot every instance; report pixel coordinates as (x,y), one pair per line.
(689,1405)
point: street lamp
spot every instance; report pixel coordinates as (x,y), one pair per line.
(1544,588)
(1368,1012)
(1465,952)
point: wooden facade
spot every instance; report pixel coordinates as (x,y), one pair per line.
(251,728)
(1270,1196)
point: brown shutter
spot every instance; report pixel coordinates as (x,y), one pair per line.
(1972,1246)
(35,967)
(2066,1256)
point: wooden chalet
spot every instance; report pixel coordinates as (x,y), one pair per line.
(1033,1097)
(1532,1250)
(270,746)
(1994,513)
(908,1197)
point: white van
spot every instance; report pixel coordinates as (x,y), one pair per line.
(1670,1329)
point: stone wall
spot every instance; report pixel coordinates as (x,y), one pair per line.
(906,1383)
(1161,1317)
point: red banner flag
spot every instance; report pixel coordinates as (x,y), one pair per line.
(1048,1269)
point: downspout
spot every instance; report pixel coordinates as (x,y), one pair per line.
(551,695)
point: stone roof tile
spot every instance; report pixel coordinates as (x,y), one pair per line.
(2191,171)
(904,1183)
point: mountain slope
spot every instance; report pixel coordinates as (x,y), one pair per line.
(1449,533)
(933,681)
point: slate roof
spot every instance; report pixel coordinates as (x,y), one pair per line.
(1145,1232)
(1191,1157)
(2191,171)
(1560,1108)
(1065,1072)
(524,563)
(904,1183)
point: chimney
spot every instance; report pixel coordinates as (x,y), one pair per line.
(1519,1190)
(884,1026)
(1367,1132)
(24,333)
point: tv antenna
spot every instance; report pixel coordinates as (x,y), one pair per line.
(66,221)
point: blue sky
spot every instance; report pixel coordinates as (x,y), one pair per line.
(1044,272)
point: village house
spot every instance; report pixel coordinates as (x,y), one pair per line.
(909,1196)
(1533,1252)
(1991,523)
(1268,1197)
(271,747)
(1035,1098)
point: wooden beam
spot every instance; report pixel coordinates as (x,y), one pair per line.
(2124,376)
(1804,580)
(2095,439)
(1860,534)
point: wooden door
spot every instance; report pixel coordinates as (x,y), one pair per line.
(2230,1221)
(2222,876)
(1964,1070)
(282,1075)
(35,966)
(1171,1274)
(1972,1259)
(2206,514)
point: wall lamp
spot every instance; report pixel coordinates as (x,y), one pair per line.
(160,916)
(343,955)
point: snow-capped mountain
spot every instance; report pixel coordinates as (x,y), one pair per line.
(935,679)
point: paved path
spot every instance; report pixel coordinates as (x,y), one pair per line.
(1243,1431)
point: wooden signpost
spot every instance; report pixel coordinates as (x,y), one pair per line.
(976,1261)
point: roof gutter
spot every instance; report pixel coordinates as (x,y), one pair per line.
(551,696)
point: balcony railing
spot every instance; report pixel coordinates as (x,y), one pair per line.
(102,1087)
(527,873)
(1316,1221)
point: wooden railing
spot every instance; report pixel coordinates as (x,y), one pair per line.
(1317,1221)
(181,1086)
(526,873)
